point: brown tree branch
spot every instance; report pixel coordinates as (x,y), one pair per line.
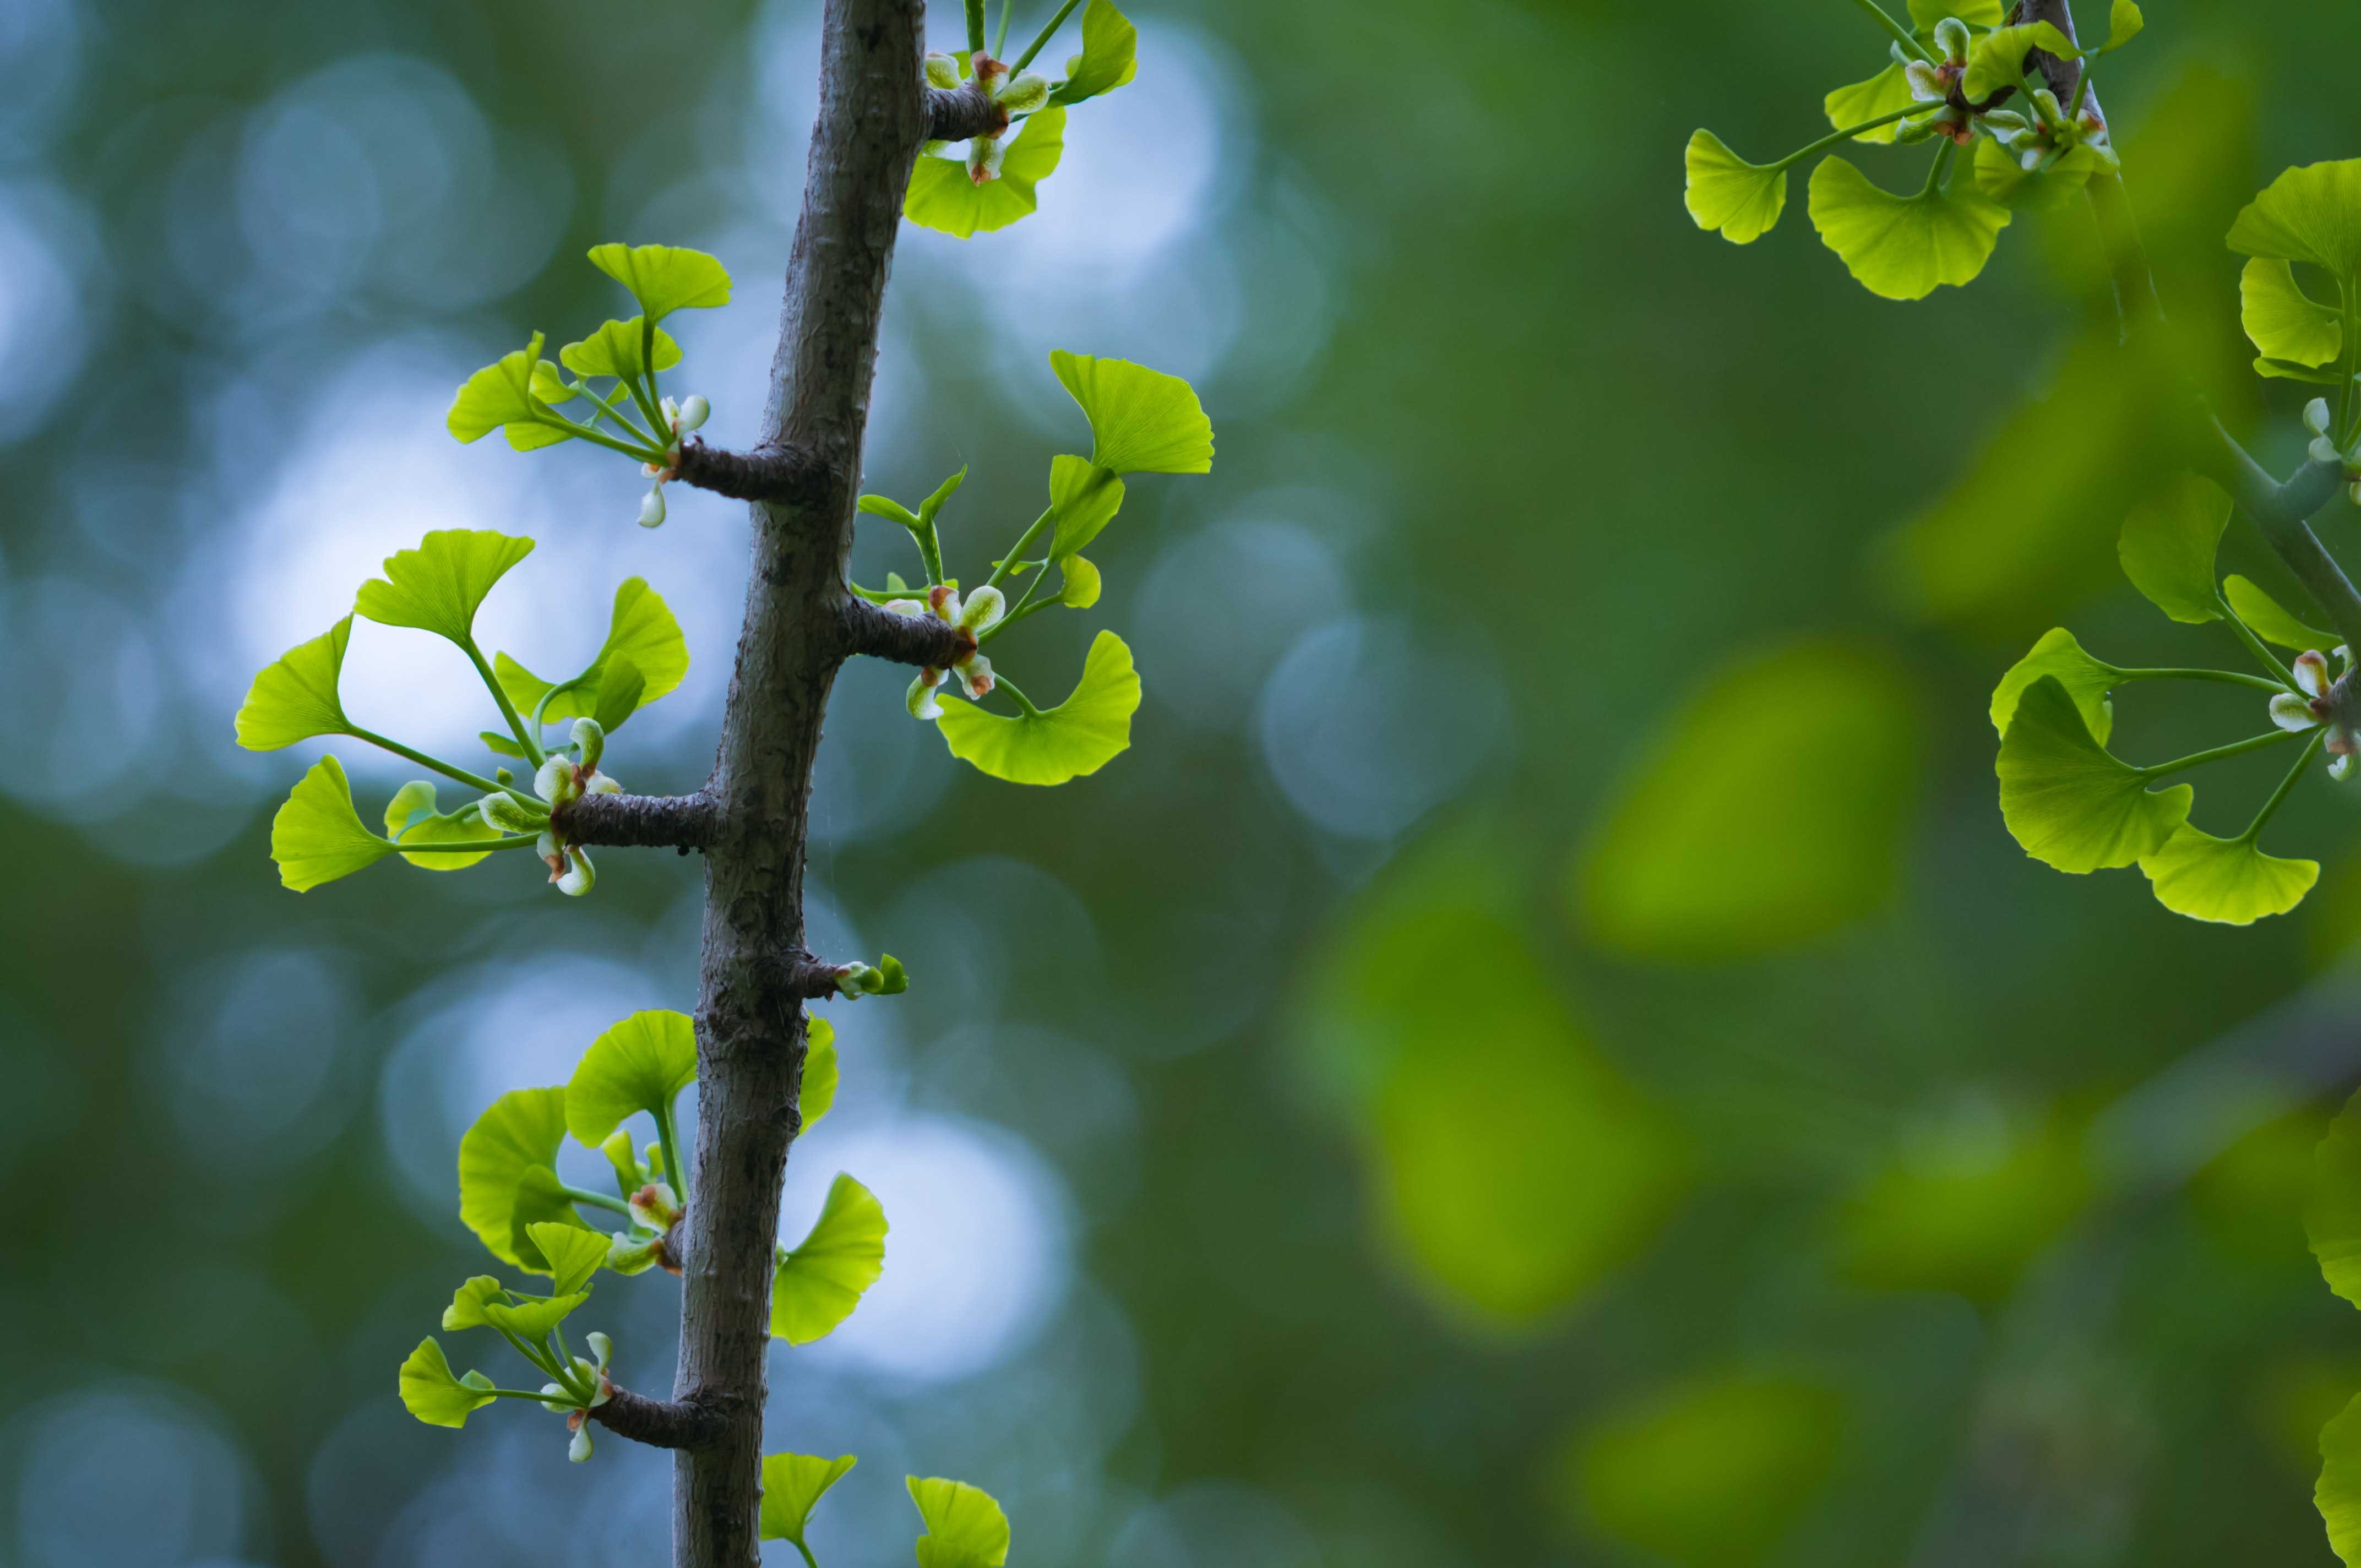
(879,634)
(640,821)
(691,1422)
(767,474)
(955,114)
(804,976)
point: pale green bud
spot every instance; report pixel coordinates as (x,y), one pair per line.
(942,71)
(1951,38)
(694,411)
(2316,416)
(1023,92)
(589,741)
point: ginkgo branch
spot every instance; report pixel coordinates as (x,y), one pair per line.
(681,822)
(691,1422)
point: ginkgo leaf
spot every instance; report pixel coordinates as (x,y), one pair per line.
(792,1483)
(965,1527)
(820,1281)
(2125,23)
(1083,499)
(438,585)
(433,1395)
(2284,323)
(820,1071)
(2331,1218)
(1080,587)
(2266,621)
(503,394)
(2227,881)
(411,817)
(507,1176)
(532,1320)
(468,1301)
(943,196)
(2001,178)
(639,1064)
(1881,95)
(1110,56)
(2058,657)
(2067,801)
(573,1253)
(2168,549)
(1998,59)
(664,278)
(2312,215)
(294,697)
(1079,736)
(2289,370)
(1903,248)
(614,350)
(641,631)
(1727,195)
(318,836)
(1925,13)
(2337,1494)
(1142,421)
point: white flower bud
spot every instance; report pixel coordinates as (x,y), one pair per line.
(558,781)
(694,411)
(905,606)
(975,676)
(1926,82)
(654,1206)
(2340,768)
(600,1346)
(576,881)
(589,741)
(942,71)
(984,155)
(652,508)
(1023,92)
(1951,38)
(603,784)
(2311,673)
(982,608)
(2324,450)
(2316,416)
(628,1254)
(510,814)
(579,1449)
(2289,711)
(921,699)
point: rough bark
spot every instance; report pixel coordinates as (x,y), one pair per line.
(769,474)
(659,1424)
(749,1024)
(640,821)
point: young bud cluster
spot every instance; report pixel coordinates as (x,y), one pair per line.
(981,609)
(2323,703)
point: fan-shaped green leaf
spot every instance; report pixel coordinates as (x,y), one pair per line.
(2337,1494)
(2312,213)
(411,817)
(820,1281)
(664,278)
(965,1528)
(820,1071)
(2283,321)
(507,1179)
(1083,499)
(2004,179)
(1925,13)
(1110,56)
(503,394)
(573,1253)
(639,1064)
(2168,549)
(433,1395)
(531,1320)
(1142,421)
(2227,881)
(294,697)
(468,1301)
(438,587)
(2333,1216)
(1903,248)
(2087,681)
(1696,859)
(793,1485)
(1079,736)
(1882,95)
(2067,801)
(1727,195)
(1081,588)
(614,350)
(943,197)
(641,632)
(2289,370)
(2125,23)
(1998,59)
(2263,617)
(317,836)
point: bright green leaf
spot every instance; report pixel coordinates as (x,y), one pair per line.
(2289,370)
(792,1483)
(1882,95)
(1109,57)
(1080,587)
(468,1301)
(1142,421)
(2168,549)
(1079,736)
(1083,499)
(1925,13)
(641,632)
(965,1528)
(433,1395)
(507,1178)
(1903,248)
(531,1320)
(2312,213)
(502,394)
(2125,22)
(614,350)
(2227,881)
(296,698)
(2333,1216)
(1699,859)
(2067,801)
(2284,322)
(2337,1495)
(820,1281)
(639,1064)
(2087,681)
(1998,59)
(1728,196)
(317,836)
(942,196)
(820,1071)
(2001,177)
(573,1253)
(438,587)
(664,278)
(2263,617)
(411,817)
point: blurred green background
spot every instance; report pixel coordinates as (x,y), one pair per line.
(1542,1052)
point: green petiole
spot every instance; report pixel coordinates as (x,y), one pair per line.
(1000,574)
(525,738)
(2255,644)
(1000,38)
(1022,60)
(1833,138)
(457,774)
(665,1137)
(596,1199)
(1001,683)
(974,27)
(2236,749)
(2254,827)
(559,1400)
(2227,677)
(472,847)
(1902,35)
